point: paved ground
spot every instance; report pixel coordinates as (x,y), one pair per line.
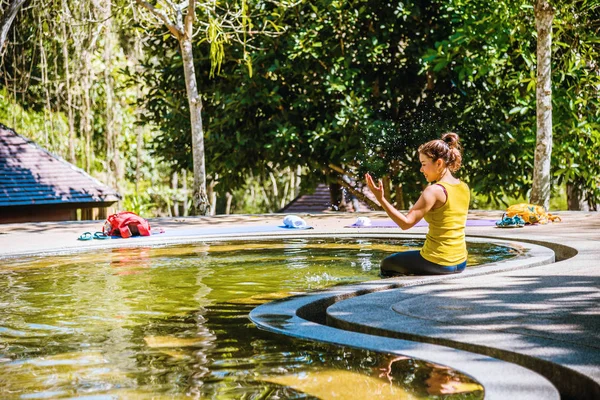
(544,318)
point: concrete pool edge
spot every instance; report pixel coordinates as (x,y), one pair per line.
(75,246)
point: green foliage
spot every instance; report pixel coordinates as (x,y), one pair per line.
(491,59)
(481,202)
(352,86)
(363,94)
(45,128)
(487,58)
(35,102)
(576,98)
(316,90)
(141,205)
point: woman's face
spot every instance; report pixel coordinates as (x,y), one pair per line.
(429,168)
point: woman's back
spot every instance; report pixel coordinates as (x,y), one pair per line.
(445,242)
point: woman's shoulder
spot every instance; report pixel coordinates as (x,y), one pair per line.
(456,183)
(438,190)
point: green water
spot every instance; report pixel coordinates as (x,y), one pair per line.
(171,322)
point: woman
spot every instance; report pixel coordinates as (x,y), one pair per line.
(444,205)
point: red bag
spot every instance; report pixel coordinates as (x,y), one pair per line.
(126,224)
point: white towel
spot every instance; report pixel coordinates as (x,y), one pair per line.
(294,221)
(362,221)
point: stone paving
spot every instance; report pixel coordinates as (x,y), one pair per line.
(544,318)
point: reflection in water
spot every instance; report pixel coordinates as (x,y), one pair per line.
(276,320)
(440,380)
(340,384)
(443,380)
(130,261)
(172,322)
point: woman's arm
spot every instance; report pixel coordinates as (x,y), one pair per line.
(426,202)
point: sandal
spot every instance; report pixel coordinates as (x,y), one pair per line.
(85,236)
(520,222)
(510,222)
(101,236)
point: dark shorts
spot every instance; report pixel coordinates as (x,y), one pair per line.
(412,263)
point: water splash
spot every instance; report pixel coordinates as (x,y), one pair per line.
(321,278)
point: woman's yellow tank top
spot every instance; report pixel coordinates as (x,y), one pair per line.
(445,242)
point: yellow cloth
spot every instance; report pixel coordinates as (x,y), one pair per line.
(445,243)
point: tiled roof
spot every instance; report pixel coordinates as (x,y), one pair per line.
(30,175)
(320,201)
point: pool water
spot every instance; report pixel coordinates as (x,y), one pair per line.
(172,322)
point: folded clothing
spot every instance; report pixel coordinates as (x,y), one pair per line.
(295,222)
(362,222)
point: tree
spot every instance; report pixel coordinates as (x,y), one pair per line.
(541,185)
(221,22)
(7,19)
(576,102)
(347,87)
(182,28)
(342,76)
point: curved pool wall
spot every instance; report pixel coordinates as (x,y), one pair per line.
(305,317)
(570,368)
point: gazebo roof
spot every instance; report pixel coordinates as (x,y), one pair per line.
(30,175)
(320,201)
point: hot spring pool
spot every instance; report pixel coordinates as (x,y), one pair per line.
(171,322)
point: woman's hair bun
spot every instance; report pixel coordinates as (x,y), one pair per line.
(451,139)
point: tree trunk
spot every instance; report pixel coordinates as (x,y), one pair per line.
(184,191)
(139,130)
(87,77)
(48,125)
(138,158)
(175,187)
(200,199)
(336,196)
(229,198)
(540,190)
(6,21)
(284,197)
(387,184)
(86,109)
(112,156)
(298,182)
(576,198)
(400,198)
(69,105)
(213,199)
(275,189)
(267,199)
(292,186)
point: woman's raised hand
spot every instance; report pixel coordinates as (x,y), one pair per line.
(377,190)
